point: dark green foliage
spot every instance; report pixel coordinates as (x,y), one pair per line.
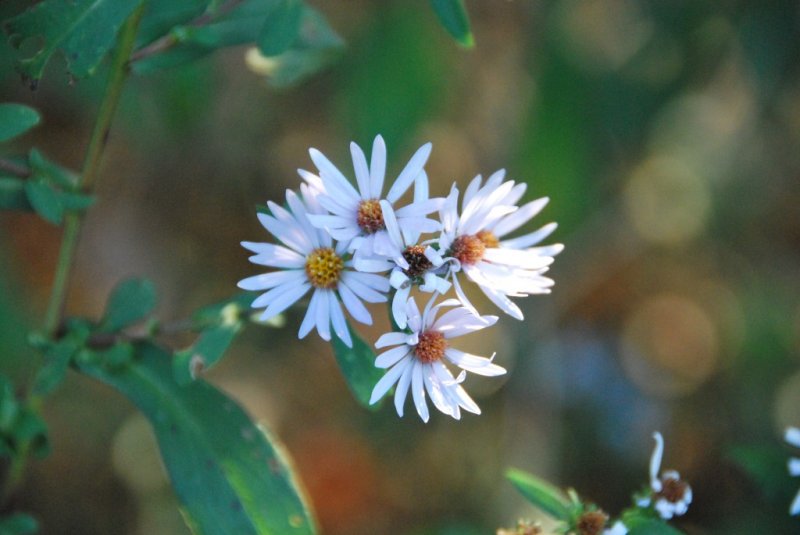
(358,366)
(455,19)
(229,474)
(541,494)
(131,301)
(15,120)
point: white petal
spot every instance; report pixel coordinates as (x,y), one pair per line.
(268,254)
(473,363)
(420,208)
(418,392)
(284,300)
(792,436)
(531,239)
(399,306)
(377,167)
(413,315)
(376,282)
(310,319)
(266,281)
(504,303)
(794,466)
(409,173)
(372,265)
(462,297)
(392,339)
(291,236)
(331,221)
(794,508)
(313,180)
(517,258)
(364,292)
(435,391)
(461,321)
(525,213)
(361,170)
(333,178)
(324,314)
(389,358)
(388,380)
(339,323)
(472,188)
(655,461)
(391,225)
(403,384)
(353,305)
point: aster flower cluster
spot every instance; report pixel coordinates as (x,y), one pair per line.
(350,242)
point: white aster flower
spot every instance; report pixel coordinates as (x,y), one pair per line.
(417,361)
(671,495)
(473,242)
(792,436)
(355,215)
(410,264)
(308,259)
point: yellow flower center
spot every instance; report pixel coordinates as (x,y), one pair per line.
(430,347)
(370,216)
(324,267)
(488,238)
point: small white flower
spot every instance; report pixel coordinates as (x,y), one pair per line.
(472,242)
(792,436)
(308,259)
(409,264)
(671,494)
(354,216)
(417,361)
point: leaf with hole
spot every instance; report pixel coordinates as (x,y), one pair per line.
(83,30)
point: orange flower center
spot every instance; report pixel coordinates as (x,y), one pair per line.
(592,523)
(324,267)
(468,249)
(488,238)
(370,216)
(430,347)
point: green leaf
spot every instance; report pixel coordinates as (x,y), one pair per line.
(52,374)
(45,200)
(51,172)
(13,195)
(83,30)
(16,119)
(358,367)
(131,301)
(209,348)
(18,524)
(160,17)
(230,474)
(453,16)
(540,493)
(9,407)
(281,27)
(650,526)
(316,47)
(30,428)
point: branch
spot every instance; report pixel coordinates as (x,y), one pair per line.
(14,168)
(164,43)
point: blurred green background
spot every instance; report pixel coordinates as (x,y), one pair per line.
(667,135)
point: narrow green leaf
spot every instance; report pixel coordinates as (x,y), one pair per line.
(358,367)
(453,16)
(18,524)
(230,475)
(9,407)
(209,348)
(50,171)
(540,493)
(131,301)
(83,30)
(16,119)
(52,374)
(13,195)
(45,200)
(281,27)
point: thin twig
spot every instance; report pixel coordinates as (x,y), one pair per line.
(166,42)
(14,168)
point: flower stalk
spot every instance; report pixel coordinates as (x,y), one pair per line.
(91,166)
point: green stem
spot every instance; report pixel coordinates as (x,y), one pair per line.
(91,165)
